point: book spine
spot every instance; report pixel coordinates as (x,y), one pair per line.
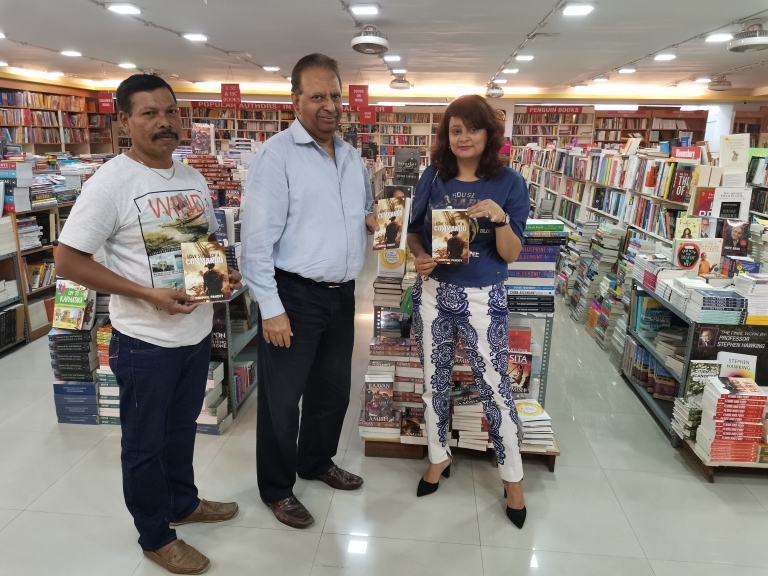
(531,273)
(112,420)
(77,410)
(74,399)
(76,388)
(74,419)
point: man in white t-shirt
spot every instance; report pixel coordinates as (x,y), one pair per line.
(140,206)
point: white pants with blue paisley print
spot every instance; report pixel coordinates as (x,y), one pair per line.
(443,313)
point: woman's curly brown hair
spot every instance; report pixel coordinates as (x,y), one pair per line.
(475,112)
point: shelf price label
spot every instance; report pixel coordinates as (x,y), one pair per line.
(106,103)
(230,95)
(358,95)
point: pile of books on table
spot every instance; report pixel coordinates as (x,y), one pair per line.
(717,306)
(732,420)
(754,287)
(379,420)
(535,426)
(681,288)
(387,291)
(531,281)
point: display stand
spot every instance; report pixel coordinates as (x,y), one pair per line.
(707,467)
(9,271)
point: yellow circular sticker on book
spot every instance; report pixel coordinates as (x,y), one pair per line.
(529,409)
(392,259)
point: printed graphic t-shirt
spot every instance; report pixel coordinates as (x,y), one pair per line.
(486,267)
(141,219)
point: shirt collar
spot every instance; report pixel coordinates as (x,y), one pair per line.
(301,136)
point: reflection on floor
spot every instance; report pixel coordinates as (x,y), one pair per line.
(621,501)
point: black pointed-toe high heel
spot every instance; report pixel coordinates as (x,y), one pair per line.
(517,516)
(426,488)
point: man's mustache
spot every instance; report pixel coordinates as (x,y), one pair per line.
(165,134)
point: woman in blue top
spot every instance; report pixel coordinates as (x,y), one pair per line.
(469,301)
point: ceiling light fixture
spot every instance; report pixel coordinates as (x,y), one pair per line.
(665,56)
(601,79)
(364,9)
(399,71)
(510,70)
(370,41)
(125,9)
(721,37)
(720,83)
(2,35)
(391,58)
(3,63)
(288,78)
(703,80)
(499,80)
(400,83)
(271,68)
(627,70)
(493,90)
(127,65)
(524,57)
(196,37)
(574,9)
(71,53)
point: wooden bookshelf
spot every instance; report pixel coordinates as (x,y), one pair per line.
(671,123)
(754,123)
(553,125)
(612,129)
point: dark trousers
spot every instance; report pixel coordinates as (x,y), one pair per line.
(317,367)
(161,395)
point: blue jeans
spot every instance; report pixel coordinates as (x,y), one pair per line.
(161,395)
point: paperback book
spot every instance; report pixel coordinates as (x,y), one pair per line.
(392,215)
(450,236)
(74,306)
(205,271)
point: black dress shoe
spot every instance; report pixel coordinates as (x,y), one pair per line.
(517,516)
(426,488)
(339,479)
(291,512)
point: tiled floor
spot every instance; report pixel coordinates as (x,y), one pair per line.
(621,501)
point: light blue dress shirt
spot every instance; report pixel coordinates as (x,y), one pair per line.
(303,213)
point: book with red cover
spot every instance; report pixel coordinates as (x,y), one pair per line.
(519,339)
(701,203)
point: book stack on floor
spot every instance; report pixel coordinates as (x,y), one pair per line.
(214,415)
(7,239)
(468,421)
(753,287)
(686,417)
(535,426)
(379,420)
(579,242)
(387,291)
(531,279)
(75,389)
(732,420)
(717,307)
(605,253)
(109,396)
(609,309)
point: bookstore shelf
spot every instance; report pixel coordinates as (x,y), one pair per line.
(6,256)
(601,213)
(651,347)
(668,305)
(40,290)
(707,466)
(566,221)
(241,340)
(651,234)
(36,250)
(14,300)
(661,410)
(759,214)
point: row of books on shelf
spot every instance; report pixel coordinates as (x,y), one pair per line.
(38,100)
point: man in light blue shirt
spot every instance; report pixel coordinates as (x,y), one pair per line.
(304,243)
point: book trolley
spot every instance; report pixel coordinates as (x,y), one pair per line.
(395,449)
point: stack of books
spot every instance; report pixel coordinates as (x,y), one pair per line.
(30,233)
(392,324)
(75,390)
(468,421)
(387,291)
(225,190)
(531,281)
(670,344)
(234,253)
(12,322)
(214,415)
(754,287)
(535,426)
(758,242)
(379,420)
(579,242)
(41,194)
(681,288)
(412,427)
(605,253)
(7,240)
(686,417)
(717,307)
(109,396)
(731,421)
(102,304)
(736,265)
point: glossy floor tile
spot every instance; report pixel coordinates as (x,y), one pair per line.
(505,562)
(342,555)
(571,510)
(621,501)
(676,517)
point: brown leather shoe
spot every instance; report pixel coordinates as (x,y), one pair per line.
(210,512)
(292,513)
(180,558)
(341,479)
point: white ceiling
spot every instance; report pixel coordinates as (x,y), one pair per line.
(441,41)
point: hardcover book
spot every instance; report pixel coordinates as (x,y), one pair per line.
(205,271)
(74,306)
(735,234)
(392,215)
(450,236)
